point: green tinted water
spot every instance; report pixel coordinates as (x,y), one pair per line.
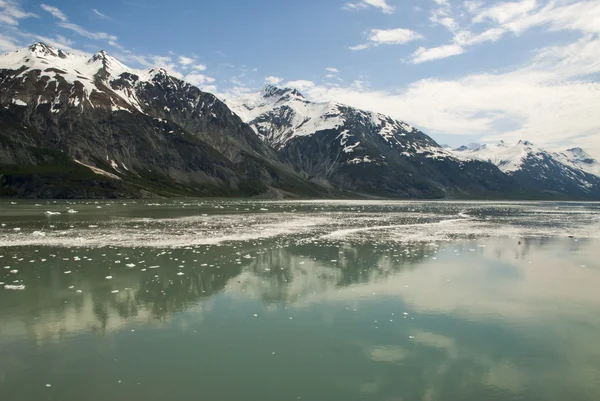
(236,300)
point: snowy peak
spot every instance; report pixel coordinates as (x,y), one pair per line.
(279,115)
(526,156)
(580,159)
(579,155)
(507,158)
(108,65)
(43,50)
(97,81)
(282,94)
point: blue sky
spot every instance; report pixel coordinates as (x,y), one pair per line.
(462,71)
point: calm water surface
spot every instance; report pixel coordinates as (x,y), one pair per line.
(242,300)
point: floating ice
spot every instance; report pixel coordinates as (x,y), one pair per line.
(14,287)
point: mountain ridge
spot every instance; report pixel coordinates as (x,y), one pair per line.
(75,125)
(159,134)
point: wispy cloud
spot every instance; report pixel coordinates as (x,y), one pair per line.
(185,61)
(423,54)
(56,13)
(84,32)
(395,36)
(333,70)
(64,23)
(8,43)
(11,13)
(198,80)
(552,100)
(99,14)
(506,17)
(382,5)
(273,80)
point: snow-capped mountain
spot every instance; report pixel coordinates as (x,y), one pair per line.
(579,158)
(569,172)
(278,115)
(124,132)
(76,125)
(89,77)
(361,151)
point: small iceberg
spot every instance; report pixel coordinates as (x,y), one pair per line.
(14,287)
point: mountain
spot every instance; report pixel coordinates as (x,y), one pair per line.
(361,151)
(87,126)
(580,159)
(78,126)
(572,173)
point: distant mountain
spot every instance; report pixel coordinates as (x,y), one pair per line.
(572,172)
(366,152)
(79,126)
(579,158)
(75,125)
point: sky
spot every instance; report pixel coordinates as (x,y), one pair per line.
(460,70)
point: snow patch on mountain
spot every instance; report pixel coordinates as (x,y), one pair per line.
(507,158)
(97,73)
(279,115)
(579,158)
(297,116)
(512,158)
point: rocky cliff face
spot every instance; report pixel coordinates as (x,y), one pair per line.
(124,133)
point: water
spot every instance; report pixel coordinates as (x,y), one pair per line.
(241,300)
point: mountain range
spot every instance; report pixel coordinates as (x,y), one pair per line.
(73,125)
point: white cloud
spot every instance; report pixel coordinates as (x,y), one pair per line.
(443,16)
(422,54)
(301,85)
(11,13)
(332,69)
(199,67)
(56,13)
(99,14)
(395,36)
(359,47)
(273,80)
(185,61)
(506,11)
(198,80)
(209,88)
(382,5)
(8,44)
(503,17)
(467,38)
(118,46)
(84,32)
(551,101)
(472,6)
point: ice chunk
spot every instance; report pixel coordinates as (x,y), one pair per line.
(14,287)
